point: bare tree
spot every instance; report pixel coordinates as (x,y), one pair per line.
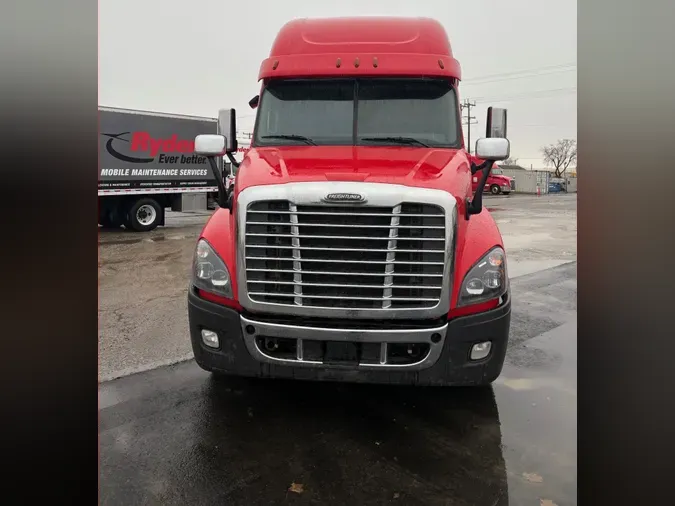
(560,155)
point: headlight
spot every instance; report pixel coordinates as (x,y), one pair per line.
(209,271)
(486,280)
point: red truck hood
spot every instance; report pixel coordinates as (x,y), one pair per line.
(501,178)
(421,167)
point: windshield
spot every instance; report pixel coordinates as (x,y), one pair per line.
(344,112)
(497,171)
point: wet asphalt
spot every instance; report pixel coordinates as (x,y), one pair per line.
(175,435)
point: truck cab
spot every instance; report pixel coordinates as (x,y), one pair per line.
(497,182)
(351,246)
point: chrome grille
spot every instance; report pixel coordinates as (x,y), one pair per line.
(350,257)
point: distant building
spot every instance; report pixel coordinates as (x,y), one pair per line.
(570,172)
(511,167)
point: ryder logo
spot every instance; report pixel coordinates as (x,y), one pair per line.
(143,142)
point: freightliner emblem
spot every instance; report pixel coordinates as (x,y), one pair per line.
(344,197)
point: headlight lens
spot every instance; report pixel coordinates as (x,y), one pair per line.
(209,271)
(486,280)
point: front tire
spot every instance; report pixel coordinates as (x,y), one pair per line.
(495,189)
(144,215)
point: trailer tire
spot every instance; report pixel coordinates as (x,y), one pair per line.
(106,222)
(495,189)
(144,215)
(110,218)
(126,222)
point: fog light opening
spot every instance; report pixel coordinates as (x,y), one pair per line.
(480,350)
(210,338)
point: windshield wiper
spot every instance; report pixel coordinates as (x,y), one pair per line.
(397,140)
(300,138)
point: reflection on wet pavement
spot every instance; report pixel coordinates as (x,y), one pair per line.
(245,442)
(538,412)
(176,436)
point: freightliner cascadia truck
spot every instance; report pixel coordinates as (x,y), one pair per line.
(351,246)
(147,163)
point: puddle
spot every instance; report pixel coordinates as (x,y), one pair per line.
(157,238)
(121,241)
(173,237)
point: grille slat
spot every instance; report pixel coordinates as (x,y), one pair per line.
(335,257)
(251,281)
(388,249)
(306,296)
(347,225)
(327,273)
(344,237)
(318,213)
(333,261)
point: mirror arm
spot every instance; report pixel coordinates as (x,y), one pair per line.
(223,200)
(475,168)
(234,162)
(475,205)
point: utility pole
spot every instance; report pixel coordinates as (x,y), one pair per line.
(469,121)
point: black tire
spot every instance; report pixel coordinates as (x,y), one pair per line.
(110,218)
(144,215)
(126,222)
(495,189)
(506,193)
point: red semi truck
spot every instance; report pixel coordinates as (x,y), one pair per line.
(351,246)
(497,183)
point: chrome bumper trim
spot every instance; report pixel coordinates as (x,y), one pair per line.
(382,336)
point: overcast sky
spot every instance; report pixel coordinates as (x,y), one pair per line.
(197,56)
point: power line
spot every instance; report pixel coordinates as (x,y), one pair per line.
(550,72)
(532,94)
(517,72)
(539,126)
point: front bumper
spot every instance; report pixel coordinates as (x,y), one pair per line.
(445,363)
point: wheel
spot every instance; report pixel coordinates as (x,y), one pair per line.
(506,193)
(110,218)
(126,222)
(494,189)
(144,215)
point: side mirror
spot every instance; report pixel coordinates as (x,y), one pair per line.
(495,146)
(493,149)
(213,146)
(496,123)
(227,126)
(210,144)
